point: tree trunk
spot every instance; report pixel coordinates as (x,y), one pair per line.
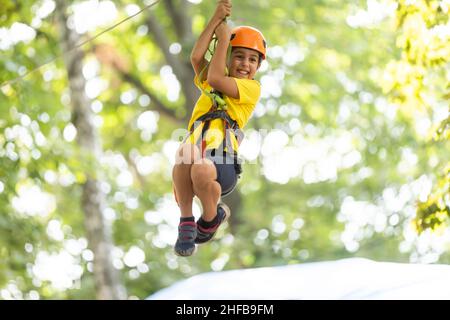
(107,284)
(234,202)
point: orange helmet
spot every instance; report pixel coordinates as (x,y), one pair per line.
(248,37)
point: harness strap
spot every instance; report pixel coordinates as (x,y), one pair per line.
(229,125)
(201,142)
(216,114)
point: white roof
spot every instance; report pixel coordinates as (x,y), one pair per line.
(354,278)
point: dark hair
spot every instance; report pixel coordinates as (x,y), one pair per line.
(260,56)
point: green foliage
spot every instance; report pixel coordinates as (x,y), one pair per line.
(420,82)
(435,212)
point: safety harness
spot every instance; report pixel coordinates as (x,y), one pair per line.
(230,126)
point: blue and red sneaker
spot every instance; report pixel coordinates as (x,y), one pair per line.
(187,232)
(204,234)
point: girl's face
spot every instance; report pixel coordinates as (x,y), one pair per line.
(243,63)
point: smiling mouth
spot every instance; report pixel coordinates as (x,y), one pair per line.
(243,73)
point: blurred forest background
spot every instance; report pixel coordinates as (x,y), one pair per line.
(347,153)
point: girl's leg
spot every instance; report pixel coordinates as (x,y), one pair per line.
(208,190)
(187,229)
(186,155)
(205,187)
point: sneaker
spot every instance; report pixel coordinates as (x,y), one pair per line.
(206,234)
(187,232)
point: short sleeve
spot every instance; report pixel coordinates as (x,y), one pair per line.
(249,91)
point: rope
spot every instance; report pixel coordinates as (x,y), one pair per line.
(213,96)
(9,82)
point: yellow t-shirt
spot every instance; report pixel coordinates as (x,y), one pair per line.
(239,110)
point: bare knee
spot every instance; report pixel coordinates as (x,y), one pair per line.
(187,154)
(203,172)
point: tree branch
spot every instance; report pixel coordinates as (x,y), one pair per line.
(157,103)
(161,40)
(180,20)
(181,69)
(109,57)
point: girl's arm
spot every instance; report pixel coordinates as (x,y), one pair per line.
(216,73)
(198,60)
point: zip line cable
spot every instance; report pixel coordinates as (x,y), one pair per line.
(9,82)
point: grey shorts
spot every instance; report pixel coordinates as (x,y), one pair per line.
(227,172)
